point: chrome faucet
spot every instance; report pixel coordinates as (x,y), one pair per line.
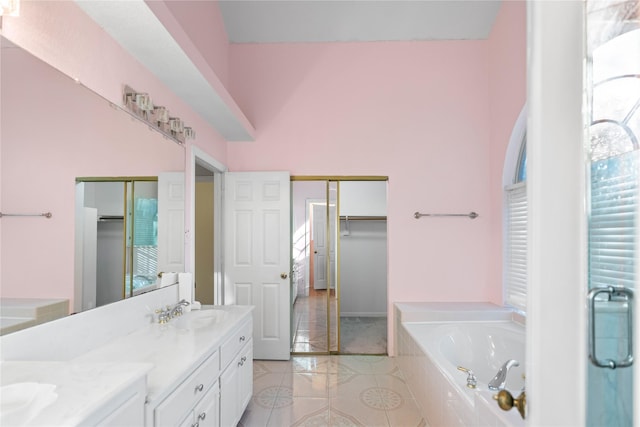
(177,309)
(497,383)
(164,315)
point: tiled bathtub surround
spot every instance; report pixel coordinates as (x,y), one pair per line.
(331,391)
(429,352)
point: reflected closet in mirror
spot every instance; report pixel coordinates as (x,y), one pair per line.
(54,130)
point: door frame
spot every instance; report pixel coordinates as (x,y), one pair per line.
(556,350)
(199,156)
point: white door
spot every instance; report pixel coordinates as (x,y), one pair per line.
(319,246)
(171,222)
(257,255)
(324,249)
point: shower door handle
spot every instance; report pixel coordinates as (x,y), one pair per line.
(617,294)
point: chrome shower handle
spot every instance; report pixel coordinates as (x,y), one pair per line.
(622,294)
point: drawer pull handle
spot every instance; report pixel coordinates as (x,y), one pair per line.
(242,338)
(195,425)
(199,387)
(244,359)
(240,363)
(202,416)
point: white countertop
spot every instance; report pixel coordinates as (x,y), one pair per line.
(80,388)
(161,351)
(169,348)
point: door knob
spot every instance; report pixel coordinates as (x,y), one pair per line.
(284,275)
(506,401)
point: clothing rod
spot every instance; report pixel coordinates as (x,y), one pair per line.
(362,218)
(471,215)
(45,214)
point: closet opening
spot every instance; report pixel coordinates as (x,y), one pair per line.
(339,265)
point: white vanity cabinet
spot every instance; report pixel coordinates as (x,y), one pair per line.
(207,412)
(214,392)
(126,409)
(236,381)
(193,394)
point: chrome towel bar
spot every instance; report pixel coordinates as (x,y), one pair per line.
(45,214)
(471,215)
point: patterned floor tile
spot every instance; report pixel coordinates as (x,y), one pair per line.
(306,385)
(321,391)
(302,412)
(359,413)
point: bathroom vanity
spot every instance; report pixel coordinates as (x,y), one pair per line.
(118,366)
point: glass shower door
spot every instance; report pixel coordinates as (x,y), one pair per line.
(613,89)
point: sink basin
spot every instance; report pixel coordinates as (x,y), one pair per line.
(21,402)
(198,319)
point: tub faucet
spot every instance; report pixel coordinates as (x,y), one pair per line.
(497,383)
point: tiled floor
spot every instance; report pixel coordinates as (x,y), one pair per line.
(358,335)
(331,391)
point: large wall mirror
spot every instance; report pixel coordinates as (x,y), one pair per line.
(54,131)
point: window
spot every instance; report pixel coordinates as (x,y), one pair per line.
(614,175)
(614,163)
(515,280)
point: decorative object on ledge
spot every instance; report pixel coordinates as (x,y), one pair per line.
(471,215)
(45,214)
(141,105)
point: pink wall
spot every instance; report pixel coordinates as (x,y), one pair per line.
(433,116)
(416,112)
(54,130)
(507,86)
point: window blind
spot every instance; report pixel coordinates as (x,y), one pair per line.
(612,222)
(515,286)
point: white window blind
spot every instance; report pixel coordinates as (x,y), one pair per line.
(516,247)
(614,203)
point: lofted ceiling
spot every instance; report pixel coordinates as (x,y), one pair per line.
(140,27)
(299,21)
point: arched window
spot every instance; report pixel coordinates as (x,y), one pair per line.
(515,225)
(614,161)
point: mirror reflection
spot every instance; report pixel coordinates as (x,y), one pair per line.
(54,131)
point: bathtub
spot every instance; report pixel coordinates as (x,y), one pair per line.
(430,351)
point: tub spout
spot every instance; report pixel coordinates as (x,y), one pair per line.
(497,383)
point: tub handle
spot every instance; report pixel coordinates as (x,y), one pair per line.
(471,378)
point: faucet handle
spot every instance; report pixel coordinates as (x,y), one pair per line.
(471,378)
(162,316)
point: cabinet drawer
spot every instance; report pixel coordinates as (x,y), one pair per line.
(232,346)
(174,408)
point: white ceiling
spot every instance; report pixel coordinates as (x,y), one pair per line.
(294,21)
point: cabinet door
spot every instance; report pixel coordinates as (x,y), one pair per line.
(229,403)
(245,377)
(188,421)
(207,412)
